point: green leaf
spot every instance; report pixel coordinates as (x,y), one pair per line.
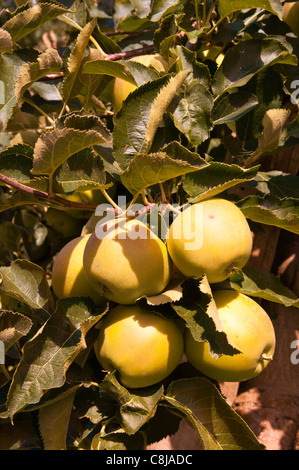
(47,62)
(55,147)
(76,57)
(161,8)
(53,420)
(217,425)
(271,210)
(135,408)
(117,440)
(83,170)
(16,163)
(274,121)
(243,61)
(10,66)
(230,107)
(47,356)
(199,311)
(276,183)
(141,113)
(172,161)
(214,179)
(29,19)
(192,113)
(13,326)
(259,283)
(27,282)
(226,7)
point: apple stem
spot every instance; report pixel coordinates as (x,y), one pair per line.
(266,358)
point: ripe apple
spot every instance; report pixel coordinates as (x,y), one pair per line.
(211,237)
(250,330)
(290,14)
(122,88)
(142,346)
(68,278)
(127,262)
(61,222)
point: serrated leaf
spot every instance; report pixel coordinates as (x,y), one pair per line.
(76,57)
(214,179)
(259,283)
(172,161)
(47,62)
(198,309)
(13,326)
(141,113)
(192,113)
(53,421)
(135,408)
(16,163)
(10,65)
(270,210)
(9,200)
(217,425)
(27,282)
(243,61)
(55,147)
(5,42)
(83,170)
(226,7)
(47,356)
(28,18)
(231,107)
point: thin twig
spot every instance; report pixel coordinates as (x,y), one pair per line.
(133,53)
(44,195)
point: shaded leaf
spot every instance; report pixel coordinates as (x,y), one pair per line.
(262,284)
(135,407)
(271,210)
(28,19)
(243,61)
(214,179)
(83,170)
(198,309)
(230,107)
(13,326)
(192,113)
(276,183)
(137,121)
(27,282)
(47,356)
(172,161)
(76,57)
(48,62)
(53,420)
(55,147)
(226,7)
(217,425)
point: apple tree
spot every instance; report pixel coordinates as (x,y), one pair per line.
(204,119)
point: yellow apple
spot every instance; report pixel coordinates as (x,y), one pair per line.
(143,347)
(122,88)
(211,237)
(68,278)
(64,224)
(127,262)
(249,329)
(290,15)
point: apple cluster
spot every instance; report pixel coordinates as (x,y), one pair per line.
(144,346)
